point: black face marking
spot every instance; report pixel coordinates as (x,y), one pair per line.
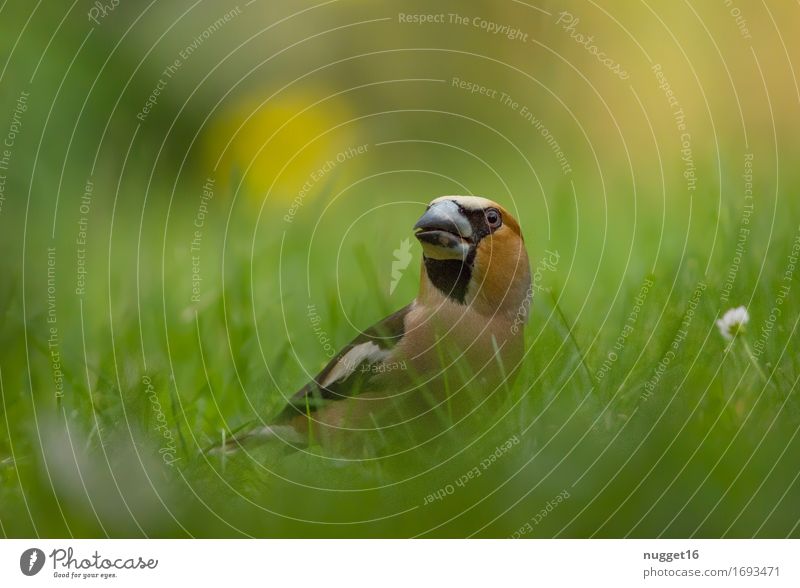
(477,218)
(452,276)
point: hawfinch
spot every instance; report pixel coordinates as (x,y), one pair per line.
(464,331)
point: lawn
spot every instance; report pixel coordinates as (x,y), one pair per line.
(157,296)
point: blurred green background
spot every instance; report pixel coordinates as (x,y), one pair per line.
(181,180)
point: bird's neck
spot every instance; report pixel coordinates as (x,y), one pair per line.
(455,281)
(451,277)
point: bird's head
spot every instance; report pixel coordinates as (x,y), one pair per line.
(473,254)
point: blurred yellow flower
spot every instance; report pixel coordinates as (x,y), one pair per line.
(275,145)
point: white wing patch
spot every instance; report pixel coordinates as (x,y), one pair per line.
(368,352)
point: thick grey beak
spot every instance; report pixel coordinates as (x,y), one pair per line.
(444,232)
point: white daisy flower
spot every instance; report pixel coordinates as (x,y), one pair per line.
(733,321)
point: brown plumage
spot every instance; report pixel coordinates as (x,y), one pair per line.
(462,333)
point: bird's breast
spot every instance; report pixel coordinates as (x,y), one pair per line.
(452,337)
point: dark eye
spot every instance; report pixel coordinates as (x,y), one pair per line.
(493,218)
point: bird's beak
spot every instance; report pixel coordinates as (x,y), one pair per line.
(444,232)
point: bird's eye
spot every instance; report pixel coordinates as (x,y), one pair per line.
(493,218)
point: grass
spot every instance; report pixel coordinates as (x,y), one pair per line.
(701,446)
(630,416)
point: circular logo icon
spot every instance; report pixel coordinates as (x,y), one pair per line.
(31,561)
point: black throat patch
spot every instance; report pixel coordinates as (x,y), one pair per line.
(450,276)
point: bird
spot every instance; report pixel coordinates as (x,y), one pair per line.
(464,330)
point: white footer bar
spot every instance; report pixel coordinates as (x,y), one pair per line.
(389,563)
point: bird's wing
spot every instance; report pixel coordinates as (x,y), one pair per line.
(350,372)
(343,377)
